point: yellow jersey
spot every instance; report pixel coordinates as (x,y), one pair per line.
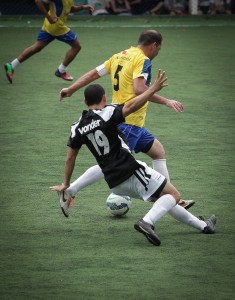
(123,68)
(61,9)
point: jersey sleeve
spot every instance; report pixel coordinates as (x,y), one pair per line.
(117,116)
(101,70)
(143,69)
(75,140)
(108,65)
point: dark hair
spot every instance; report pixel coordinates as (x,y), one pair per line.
(93,94)
(150,36)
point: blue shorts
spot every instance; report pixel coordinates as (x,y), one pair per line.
(139,139)
(68,38)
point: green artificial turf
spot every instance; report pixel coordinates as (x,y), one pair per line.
(92,255)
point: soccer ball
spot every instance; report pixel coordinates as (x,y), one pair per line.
(118,205)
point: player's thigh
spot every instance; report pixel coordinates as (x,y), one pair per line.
(156,151)
(43,39)
(71,39)
(76,45)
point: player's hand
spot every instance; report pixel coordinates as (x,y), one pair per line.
(175,105)
(52,20)
(160,81)
(59,188)
(89,8)
(65,93)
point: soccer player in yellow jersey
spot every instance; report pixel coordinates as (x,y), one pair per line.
(54,27)
(130,72)
(123,68)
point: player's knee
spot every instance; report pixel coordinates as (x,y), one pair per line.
(176,195)
(173,192)
(77,47)
(157,151)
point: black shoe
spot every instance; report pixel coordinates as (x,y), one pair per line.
(148,230)
(210,228)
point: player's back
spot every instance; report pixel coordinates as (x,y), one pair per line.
(123,68)
(98,130)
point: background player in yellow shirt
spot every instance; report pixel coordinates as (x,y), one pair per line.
(130,72)
(54,27)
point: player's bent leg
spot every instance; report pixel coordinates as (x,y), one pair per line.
(182,215)
(30,51)
(90,176)
(69,57)
(27,53)
(158,210)
(168,199)
(72,53)
(157,153)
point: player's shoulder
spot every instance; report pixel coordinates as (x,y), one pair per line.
(137,52)
(111,109)
(113,105)
(138,57)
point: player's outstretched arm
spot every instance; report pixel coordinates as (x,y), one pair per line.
(81,82)
(77,8)
(138,101)
(173,104)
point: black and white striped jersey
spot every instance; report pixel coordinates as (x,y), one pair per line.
(98,130)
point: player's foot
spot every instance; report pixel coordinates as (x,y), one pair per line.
(64,76)
(186,203)
(9,72)
(210,228)
(65,202)
(148,230)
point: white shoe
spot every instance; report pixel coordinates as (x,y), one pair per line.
(65,201)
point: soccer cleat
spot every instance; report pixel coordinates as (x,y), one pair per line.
(65,202)
(64,76)
(148,230)
(9,72)
(210,228)
(186,203)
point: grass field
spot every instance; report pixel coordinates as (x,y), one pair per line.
(92,255)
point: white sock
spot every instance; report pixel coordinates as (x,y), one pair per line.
(15,63)
(160,166)
(62,68)
(182,215)
(91,176)
(159,209)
